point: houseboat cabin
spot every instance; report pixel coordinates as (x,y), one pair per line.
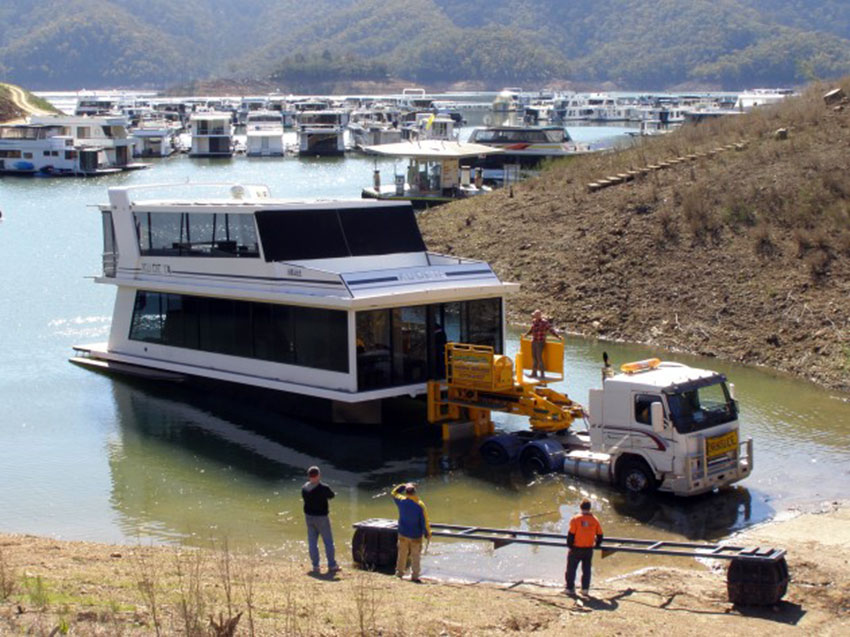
(334,307)
(321,132)
(212,134)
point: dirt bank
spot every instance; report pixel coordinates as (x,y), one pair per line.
(95,589)
(17,103)
(741,252)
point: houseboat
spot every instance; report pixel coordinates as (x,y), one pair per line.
(373,127)
(39,149)
(321,132)
(156,138)
(438,171)
(264,133)
(94,105)
(330,309)
(212,134)
(106,133)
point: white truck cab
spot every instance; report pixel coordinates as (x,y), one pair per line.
(667,426)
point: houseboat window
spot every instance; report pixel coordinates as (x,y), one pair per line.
(344,232)
(176,234)
(147,318)
(402,346)
(310,337)
(374,355)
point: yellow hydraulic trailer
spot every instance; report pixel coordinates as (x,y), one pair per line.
(479,381)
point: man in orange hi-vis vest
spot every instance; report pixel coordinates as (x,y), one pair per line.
(585,533)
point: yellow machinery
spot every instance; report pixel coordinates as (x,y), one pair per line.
(478,381)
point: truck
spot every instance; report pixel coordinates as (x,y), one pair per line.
(654,425)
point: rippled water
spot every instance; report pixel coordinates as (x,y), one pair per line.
(87,457)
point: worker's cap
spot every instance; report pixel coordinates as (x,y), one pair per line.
(313,471)
(410,488)
(585,505)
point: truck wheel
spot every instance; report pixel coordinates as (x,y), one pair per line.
(534,461)
(635,476)
(494,453)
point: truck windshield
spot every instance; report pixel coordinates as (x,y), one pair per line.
(700,405)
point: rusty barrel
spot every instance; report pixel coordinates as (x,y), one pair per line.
(757,582)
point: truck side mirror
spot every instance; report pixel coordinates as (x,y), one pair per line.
(656,415)
(732,391)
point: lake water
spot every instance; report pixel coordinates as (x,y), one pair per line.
(87,457)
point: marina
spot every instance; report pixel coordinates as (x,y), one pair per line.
(98,458)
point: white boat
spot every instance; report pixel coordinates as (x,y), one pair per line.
(97,105)
(526,146)
(156,138)
(333,309)
(762,97)
(103,133)
(212,134)
(39,149)
(321,132)
(264,132)
(374,127)
(430,126)
(438,171)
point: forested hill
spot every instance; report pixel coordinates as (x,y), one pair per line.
(626,43)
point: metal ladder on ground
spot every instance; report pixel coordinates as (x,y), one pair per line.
(756,575)
(504,537)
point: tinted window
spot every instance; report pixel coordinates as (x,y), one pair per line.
(292,235)
(381,230)
(310,337)
(407,345)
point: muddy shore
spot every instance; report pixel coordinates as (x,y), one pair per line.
(96,589)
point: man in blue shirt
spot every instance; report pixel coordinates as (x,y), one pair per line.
(412,527)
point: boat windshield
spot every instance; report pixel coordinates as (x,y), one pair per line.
(702,404)
(513,136)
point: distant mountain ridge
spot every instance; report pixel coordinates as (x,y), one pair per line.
(629,44)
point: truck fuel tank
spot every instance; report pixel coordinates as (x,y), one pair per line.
(589,464)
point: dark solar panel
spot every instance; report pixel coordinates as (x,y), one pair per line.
(293,235)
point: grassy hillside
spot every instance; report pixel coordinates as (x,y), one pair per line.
(628,43)
(744,255)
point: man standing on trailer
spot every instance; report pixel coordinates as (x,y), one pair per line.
(413,525)
(540,327)
(585,533)
(316,494)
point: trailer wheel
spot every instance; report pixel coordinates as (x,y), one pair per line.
(534,460)
(635,476)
